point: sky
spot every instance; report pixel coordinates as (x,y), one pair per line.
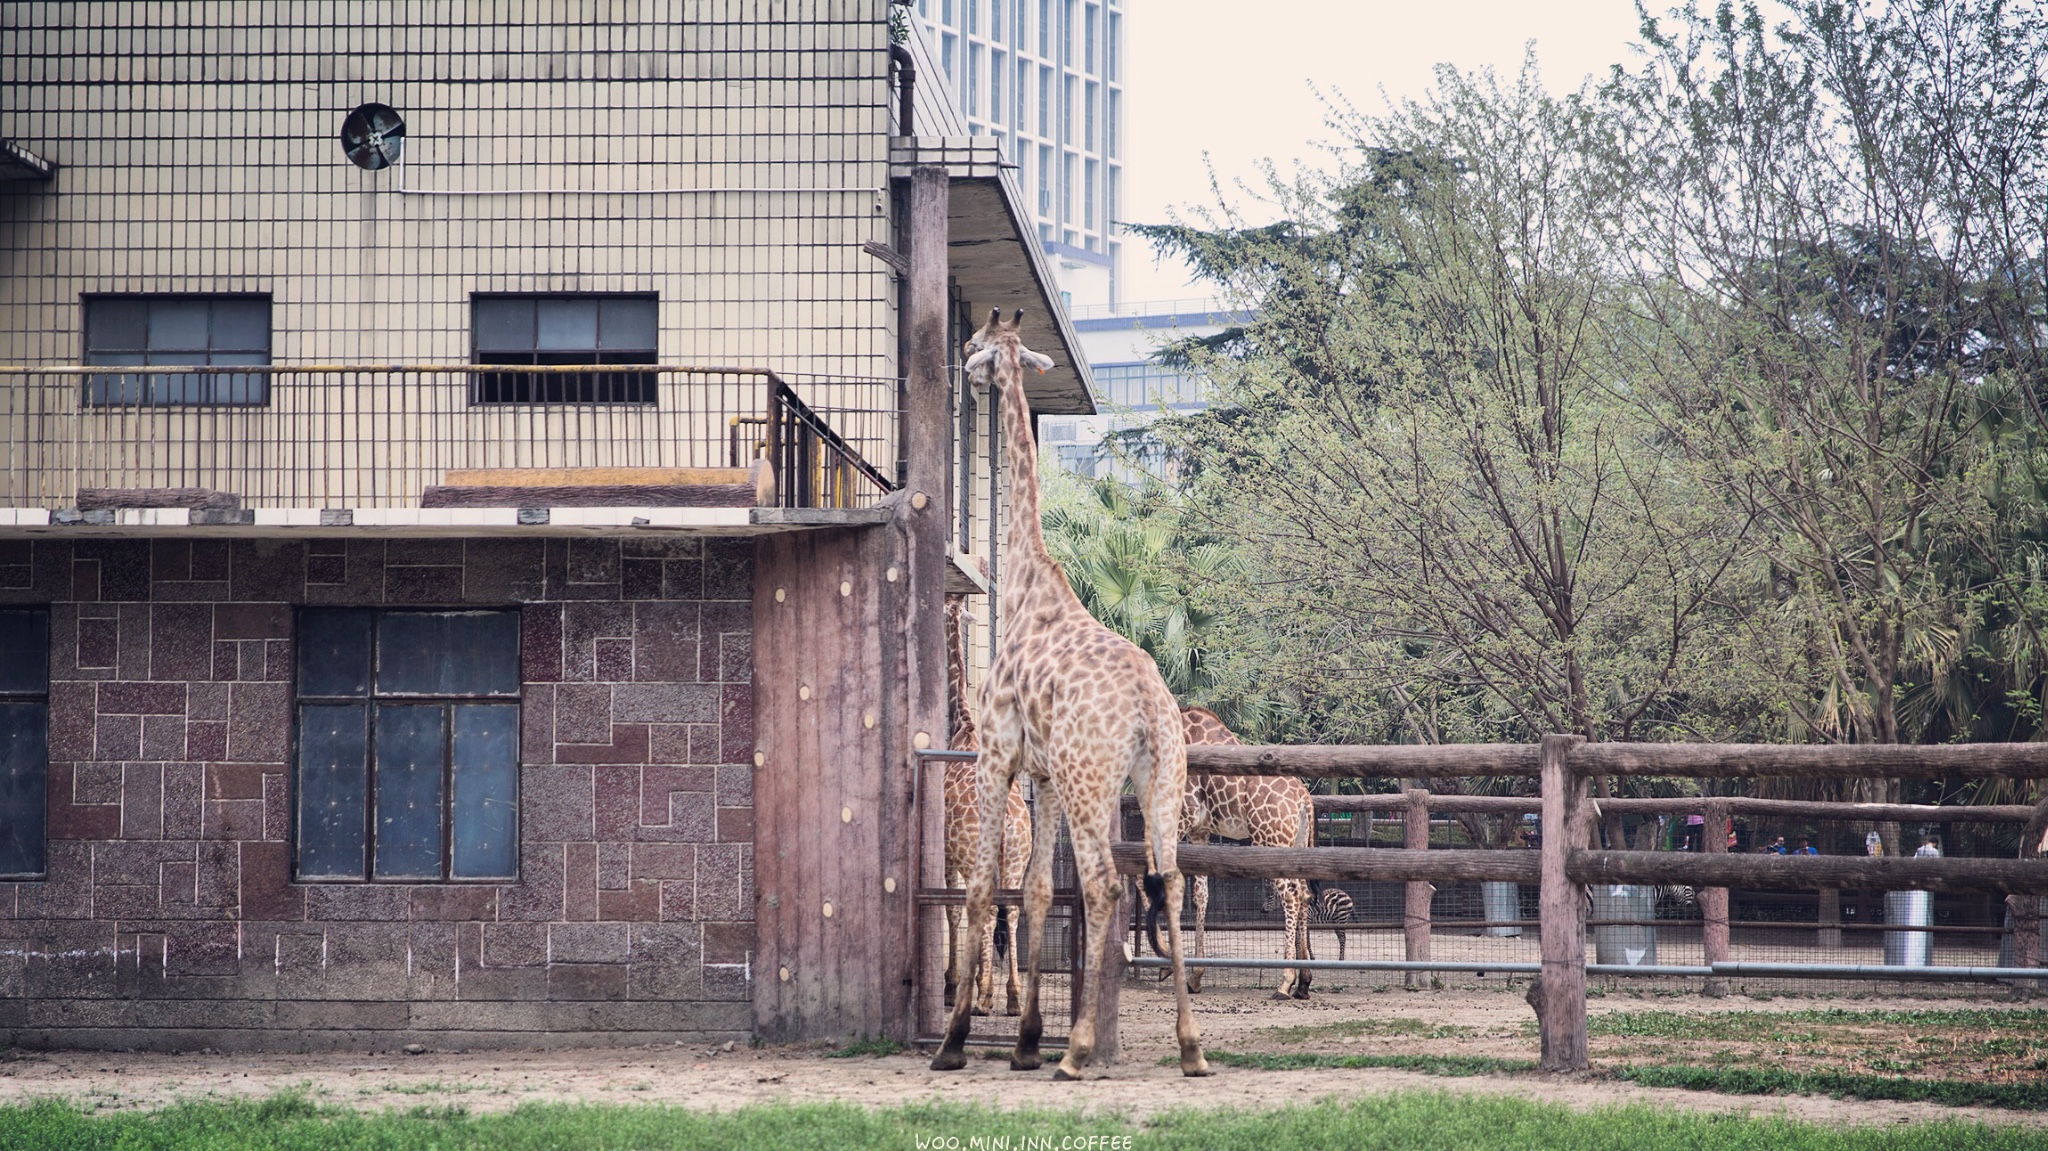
(1228,83)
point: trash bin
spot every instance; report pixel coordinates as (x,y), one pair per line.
(1502,901)
(1633,945)
(2005,941)
(1908,909)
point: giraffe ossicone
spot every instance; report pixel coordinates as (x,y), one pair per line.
(1078,709)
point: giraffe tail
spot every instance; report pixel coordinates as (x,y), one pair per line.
(1155,899)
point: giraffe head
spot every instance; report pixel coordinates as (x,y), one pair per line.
(993,340)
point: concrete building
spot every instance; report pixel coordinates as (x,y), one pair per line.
(1121,345)
(1044,79)
(476,500)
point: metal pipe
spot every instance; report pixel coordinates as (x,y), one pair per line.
(1694,971)
(1873,971)
(906,89)
(1349,964)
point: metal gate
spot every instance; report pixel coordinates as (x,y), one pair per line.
(1061,949)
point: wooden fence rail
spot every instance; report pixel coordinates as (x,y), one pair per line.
(1568,859)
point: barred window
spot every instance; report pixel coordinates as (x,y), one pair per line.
(204,331)
(408,750)
(550,331)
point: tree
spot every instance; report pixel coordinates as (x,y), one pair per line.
(1418,437)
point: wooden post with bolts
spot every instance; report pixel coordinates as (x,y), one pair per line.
(1418,894)
(923,518)
(1714,901)
(1559,993)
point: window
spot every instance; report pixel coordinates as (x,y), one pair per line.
(206,331)
(24,738)
(949,46)
(1045,102)
(1045,28)
(1089,61)
(973,16)
(997,64)
(972,90)
(1109,56)
(1070,97)
(1045,178)
(1023,93)
(1088,199)
(1109,126)
(1088,137)
(560,330)
(995,20)
(408,756)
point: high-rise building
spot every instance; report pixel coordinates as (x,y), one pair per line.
(1044,78)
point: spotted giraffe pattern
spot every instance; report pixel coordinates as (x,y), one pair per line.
(1080,710)
(1269,810)
(963,830)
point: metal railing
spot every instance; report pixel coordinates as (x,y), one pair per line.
(379,436)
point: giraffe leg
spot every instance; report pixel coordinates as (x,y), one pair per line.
(1163,792)
(953,925)
(985,987)
(1294,898)
(1201,886)
(994,785)
(1045,824)
(1097,875)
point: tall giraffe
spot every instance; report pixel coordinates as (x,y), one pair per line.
(963,830)
(1079,709)
(1269,810)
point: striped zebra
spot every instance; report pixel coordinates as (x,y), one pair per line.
(1330,905)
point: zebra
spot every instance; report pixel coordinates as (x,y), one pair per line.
(1330,905)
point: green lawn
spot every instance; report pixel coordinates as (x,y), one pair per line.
(1407,1120)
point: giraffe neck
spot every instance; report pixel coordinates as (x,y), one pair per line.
(964,735)
(1034,592)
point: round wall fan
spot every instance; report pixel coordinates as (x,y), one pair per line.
(373,136)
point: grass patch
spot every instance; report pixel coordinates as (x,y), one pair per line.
(1803,1026)
(1428,1121)
(1753,1080)
(1353,1028)
(866,1049)
(1456,1065)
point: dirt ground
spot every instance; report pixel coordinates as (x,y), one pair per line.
(1459,1021)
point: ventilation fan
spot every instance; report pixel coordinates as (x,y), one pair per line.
(373,136)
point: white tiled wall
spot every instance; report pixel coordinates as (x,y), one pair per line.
(728,155)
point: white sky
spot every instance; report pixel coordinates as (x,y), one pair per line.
(1231,80)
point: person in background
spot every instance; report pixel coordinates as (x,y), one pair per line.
(1776,847)
(1873,844)
(1805,847)
(1929,849)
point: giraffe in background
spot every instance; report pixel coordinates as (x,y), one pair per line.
(1269,810)
(1080,709)
(963,830)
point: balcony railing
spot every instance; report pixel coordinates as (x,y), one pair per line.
(345,437)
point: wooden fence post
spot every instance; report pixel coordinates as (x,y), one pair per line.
(1559,993)
(1830,934)
(2026,940)
(1418,894)
(1714,901)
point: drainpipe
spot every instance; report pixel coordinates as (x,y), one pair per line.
(906,88)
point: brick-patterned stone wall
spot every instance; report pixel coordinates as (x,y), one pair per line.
(169,918)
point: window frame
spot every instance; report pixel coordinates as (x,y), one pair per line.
(639,386)
(371,698)
(93,392)
(39,699)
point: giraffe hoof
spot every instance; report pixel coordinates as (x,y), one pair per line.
(949,1059)
(1199,1069)
(978,1010)
(1029,1062)
(1060,1074)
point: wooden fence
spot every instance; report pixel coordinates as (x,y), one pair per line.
(1569,857)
